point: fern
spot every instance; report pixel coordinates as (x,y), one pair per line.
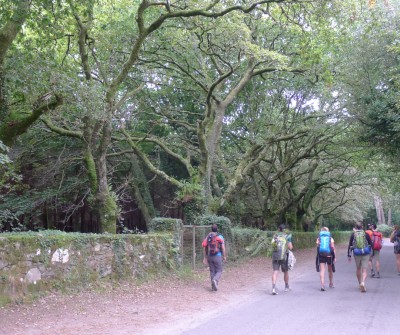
(261,244)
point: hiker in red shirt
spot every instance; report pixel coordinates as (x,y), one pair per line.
(214,251)
(376,238)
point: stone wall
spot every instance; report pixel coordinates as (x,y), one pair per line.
(33,263)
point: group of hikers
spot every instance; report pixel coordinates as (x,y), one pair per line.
(364,245)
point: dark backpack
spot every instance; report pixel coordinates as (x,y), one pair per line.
(279,245)
(213,244)
(396,241)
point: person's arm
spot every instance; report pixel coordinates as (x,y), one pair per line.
(223,250)
(369,241)
(289,241)
(391,238)
(205,251)
(333,250)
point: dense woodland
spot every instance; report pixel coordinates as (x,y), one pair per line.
(113,112)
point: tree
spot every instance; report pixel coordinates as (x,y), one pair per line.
(113,82)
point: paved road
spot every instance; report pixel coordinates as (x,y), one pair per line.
(308,311)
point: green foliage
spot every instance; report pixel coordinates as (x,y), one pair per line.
(224,224)
(385,229)
(261,244)
(10,181)
(274,131)
(190,196)
(3,154)
(190,191)
(164,225)
(208,220)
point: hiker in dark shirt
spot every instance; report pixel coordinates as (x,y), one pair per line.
(279,262)
(361,245)
(395,238)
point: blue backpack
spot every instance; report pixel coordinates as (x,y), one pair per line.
(324,243)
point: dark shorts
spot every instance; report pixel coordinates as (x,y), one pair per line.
(283,264)
(325,259)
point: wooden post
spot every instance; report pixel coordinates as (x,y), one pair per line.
(194,247)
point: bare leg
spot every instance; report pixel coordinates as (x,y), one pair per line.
(286,278)
(371,266)
(322,274)
(398,262)
(358,274)
(378,266)
(274,277)
(364,274)
(330,272)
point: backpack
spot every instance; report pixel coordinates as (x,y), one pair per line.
(324,243)
(396,241)
(360,244)
(213,244)
(376,240)
(291,260)
(279,244)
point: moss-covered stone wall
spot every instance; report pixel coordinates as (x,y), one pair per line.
(34,263)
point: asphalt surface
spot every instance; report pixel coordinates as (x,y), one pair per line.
(306,310)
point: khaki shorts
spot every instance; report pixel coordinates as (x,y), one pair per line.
(376,255)
(362,261)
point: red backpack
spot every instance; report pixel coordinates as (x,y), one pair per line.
(376,240)
(213,244)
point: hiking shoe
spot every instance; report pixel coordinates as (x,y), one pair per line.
(322,288)
(378,275)
(362,288)
(372,274)
(274,292)
(331,286)
(214,285)
(287,289)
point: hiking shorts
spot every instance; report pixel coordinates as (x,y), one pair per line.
(361,261)
(376,254)
(326,260)
(283,264)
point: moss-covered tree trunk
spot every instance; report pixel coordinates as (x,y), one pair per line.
(141,191)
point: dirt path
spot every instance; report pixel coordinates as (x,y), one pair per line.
(161,307)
